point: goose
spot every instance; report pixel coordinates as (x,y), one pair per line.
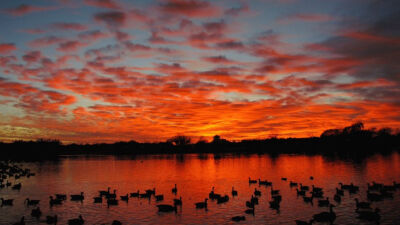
(386,194)
(144,195)
(362,205)
(304,188)
(151,192)
(339,192)
(178,201)
(344,186)
(284,178)
(159,197)
(301,222)
(104,193)
(264,182)
(308,199)
(76,221)
(21,222)
(322,203)
(257,192)
(274,192)
(51,219)
(167,208)
(124,198)
(61,196)
(213,196)
(112,195)
(337,198)
(274,205)
(317,194)
(277,198)
(316,189)
(369,215)
(175,189)
(234,192)
(353,189)
(31,202)
(254,200)
(311,178)
(325,216)
(36,212)
(374,196)
(17,186)
(249,211)
(134,194)
(302,193)
(238,218)
(97,199)
(55,201)
(252,181)
(6,201)
(293,184)
(201,205)
(396,185)
(223,199)
(112,201)
(77,197)
(250,204)
(116,222)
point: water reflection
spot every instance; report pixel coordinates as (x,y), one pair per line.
(194,176)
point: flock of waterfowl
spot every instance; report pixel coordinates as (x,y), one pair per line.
(310,194)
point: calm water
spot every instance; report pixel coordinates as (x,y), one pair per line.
(195,175)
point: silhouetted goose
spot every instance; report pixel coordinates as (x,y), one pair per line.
(238,218)
(257,192)
(151,192)
(301,222)
(274,204)
(396,185)
(178,201)
(337,198)
(339,192)
(112,195)
(274,192)
(17,186)
(344,186)
(175,189)
(212,195)
(293,184)
(144,195)
(308,199)
(21,222)
(325,216)
(386,194)
(31,202)
(252,181)
(55,201)
(316,189)
(249,211)
(76,221)
(36,213)
(105,193)
(369,215)
(353,189)
(167,208)
(159,197)
(112,201)
(302,193)
(362,205)
(250,204)
(223,199)
(284,178)
(264,182)
(6,201)
(304,188)
(201,205)
(77,197)
(61,196)
(124,197)
(116,222)
(51,219)
(319,194)
(234,192)
(134,194)
(311,178)
(322,203)
(374,196)
(277,198)
(254,200)
(98,199)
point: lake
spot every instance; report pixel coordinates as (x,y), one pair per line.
(195,175)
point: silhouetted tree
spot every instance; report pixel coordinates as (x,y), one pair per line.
(180,140)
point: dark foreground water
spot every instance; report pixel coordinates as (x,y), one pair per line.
(195,175)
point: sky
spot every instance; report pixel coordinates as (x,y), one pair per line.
(89,71)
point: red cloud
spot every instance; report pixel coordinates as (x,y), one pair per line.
(69,26)
(190,8)
(218,59)
(24,9)
(112,18)
(305,18)
(6,48)
(110,4)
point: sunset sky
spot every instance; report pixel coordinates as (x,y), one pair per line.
(88,71)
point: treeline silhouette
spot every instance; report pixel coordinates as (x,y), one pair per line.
(351,141)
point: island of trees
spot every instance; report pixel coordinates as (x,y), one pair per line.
(352,141)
